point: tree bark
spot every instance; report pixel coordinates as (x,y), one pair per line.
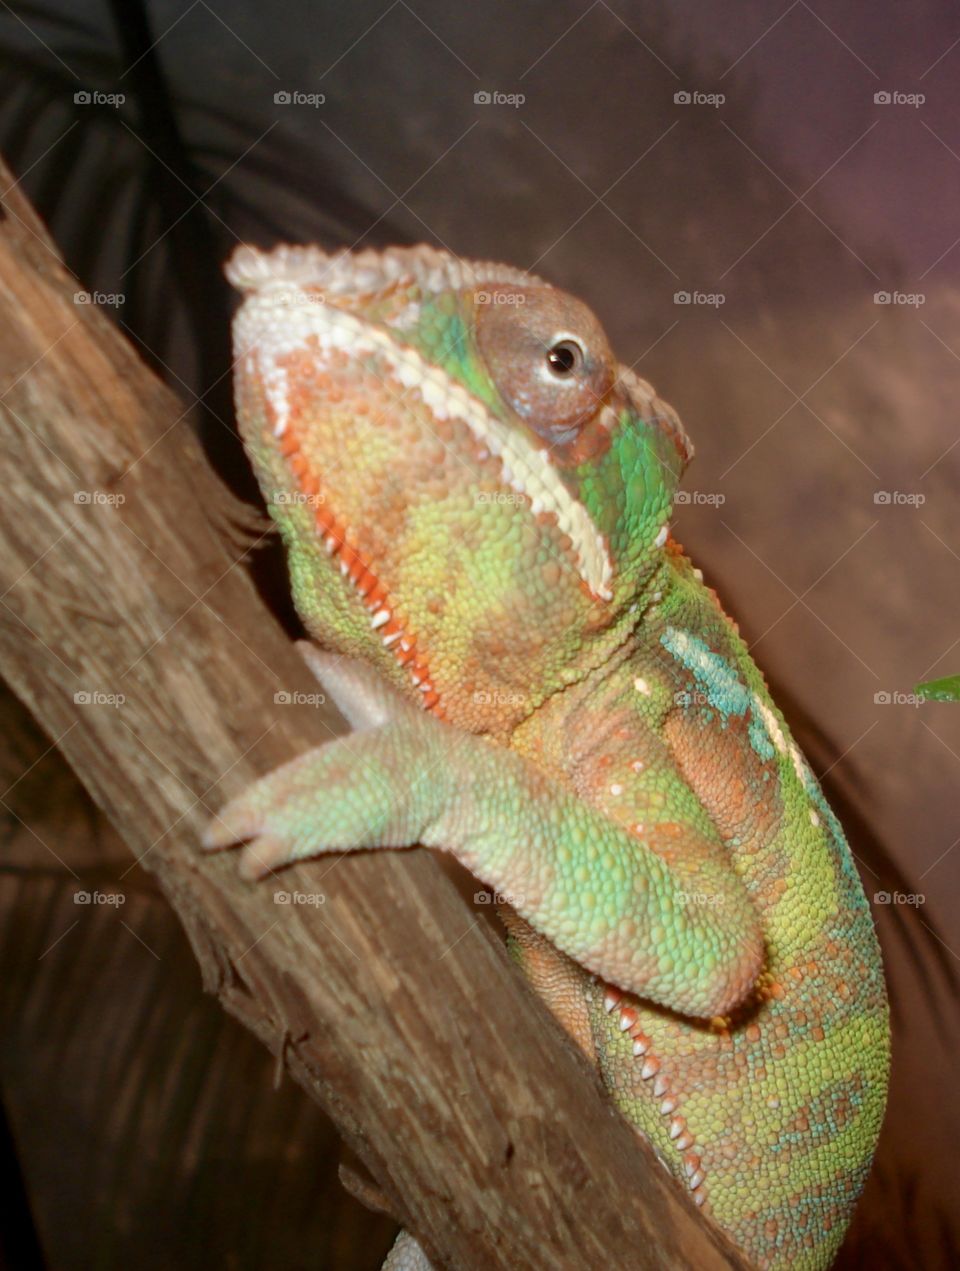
(131,628)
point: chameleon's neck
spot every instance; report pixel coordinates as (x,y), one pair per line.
(605,652)
(604,659)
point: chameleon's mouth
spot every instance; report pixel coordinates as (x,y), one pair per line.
(292,304)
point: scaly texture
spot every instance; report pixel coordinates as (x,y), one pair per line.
(474,497)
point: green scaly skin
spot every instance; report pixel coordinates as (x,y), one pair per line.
(474,498)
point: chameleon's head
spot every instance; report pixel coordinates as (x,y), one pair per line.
(472,490)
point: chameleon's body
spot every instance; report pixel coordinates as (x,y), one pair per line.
(474,498)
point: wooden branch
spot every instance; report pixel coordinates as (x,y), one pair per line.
(130,627)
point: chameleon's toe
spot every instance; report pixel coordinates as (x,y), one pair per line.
(238,820)
(265,819)
(247,820)
(262,855)
(257,823)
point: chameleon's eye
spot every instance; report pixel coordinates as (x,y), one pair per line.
(564,358)
(547,355)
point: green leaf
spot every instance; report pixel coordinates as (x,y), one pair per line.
(945,690)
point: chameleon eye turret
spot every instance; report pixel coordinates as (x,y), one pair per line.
(547,355)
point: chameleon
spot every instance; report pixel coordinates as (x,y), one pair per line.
(475,497)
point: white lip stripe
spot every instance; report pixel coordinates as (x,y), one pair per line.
(278,395)
(277,318)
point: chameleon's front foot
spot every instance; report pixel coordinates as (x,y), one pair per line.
(354,792)
(599,893)
(313,805)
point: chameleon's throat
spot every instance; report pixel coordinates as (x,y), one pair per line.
(356,567)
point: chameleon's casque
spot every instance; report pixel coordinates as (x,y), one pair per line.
(475,498)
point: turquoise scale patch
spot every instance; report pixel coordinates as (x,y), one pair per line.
(720,684)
